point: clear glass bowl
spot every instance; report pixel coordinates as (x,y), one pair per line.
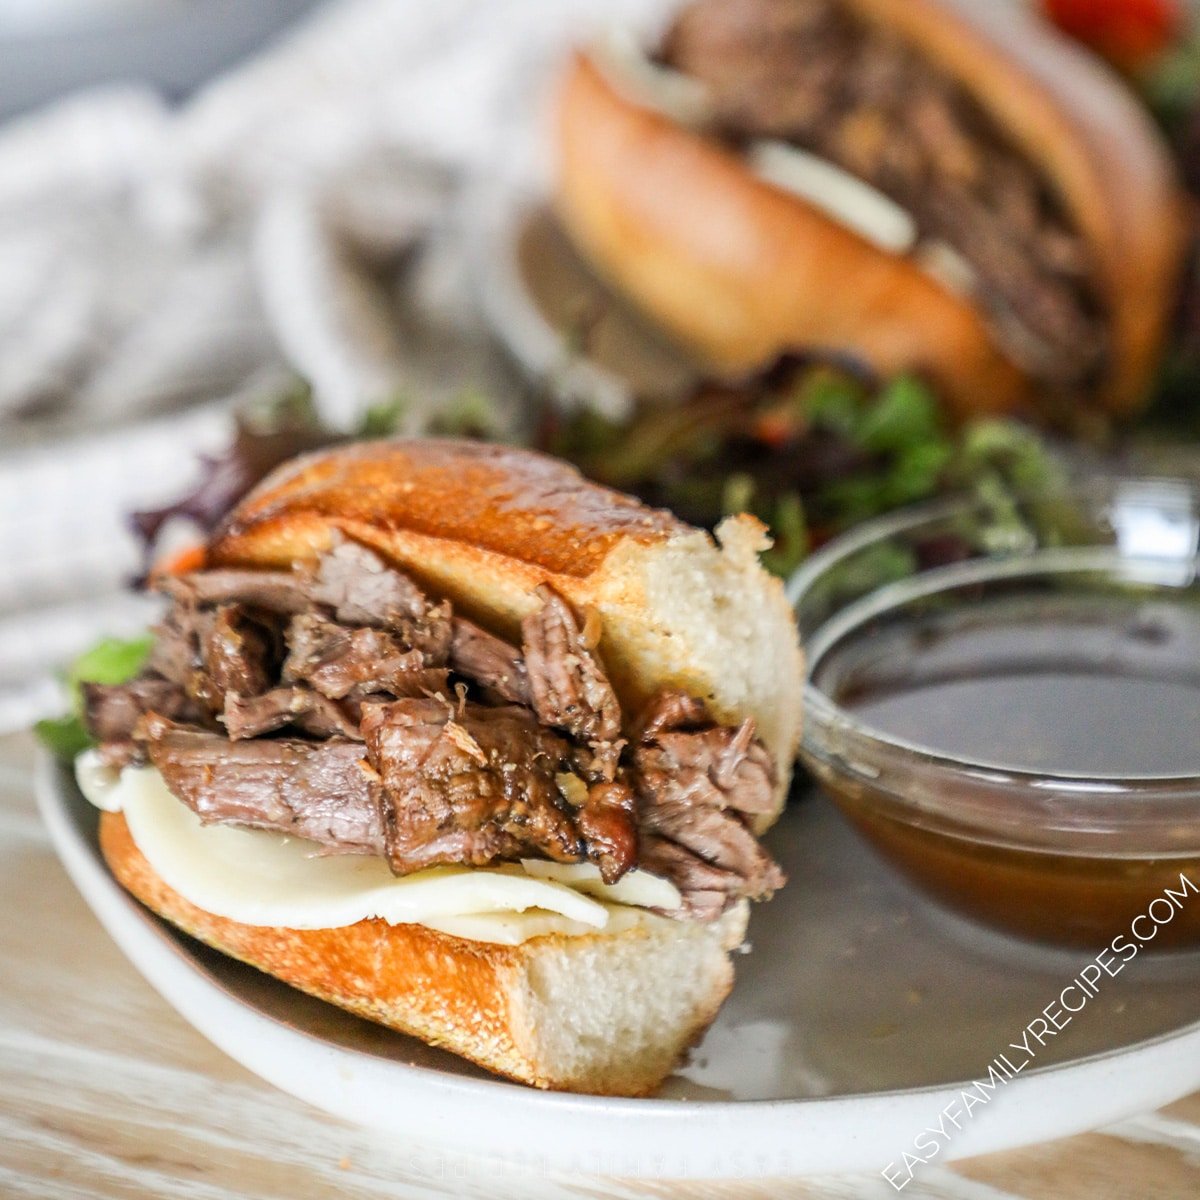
(1092,595)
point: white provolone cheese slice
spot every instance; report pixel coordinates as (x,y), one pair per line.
(637,888)
(844,197)
(97,781)
(625,64)
(950,268)
(261,878)
(513,928)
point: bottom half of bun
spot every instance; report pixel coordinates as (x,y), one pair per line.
(606,1014)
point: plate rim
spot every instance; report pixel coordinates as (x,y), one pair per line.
(495,210)
(837,1134)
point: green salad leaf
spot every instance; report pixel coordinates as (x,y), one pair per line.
(110,661)
(65,737)
(811,448)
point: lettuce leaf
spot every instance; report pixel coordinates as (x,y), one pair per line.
(110,661)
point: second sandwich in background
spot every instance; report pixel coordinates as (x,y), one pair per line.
(935,185)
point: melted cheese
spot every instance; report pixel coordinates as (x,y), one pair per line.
(950,268)
(844,197)
(637,888)
(268,879)
(98,782)
(626,66)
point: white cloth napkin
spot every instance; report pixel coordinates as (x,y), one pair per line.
(300,215)
(153,256)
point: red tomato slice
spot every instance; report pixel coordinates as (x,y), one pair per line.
(1129,33)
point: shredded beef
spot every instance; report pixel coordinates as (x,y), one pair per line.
(490,662)
(338,661)
(340,704)
(236,653)
(111,712)
(812,73)
(697,782)
(323,791)
(468,784)
(272,591)
(176,654)
(607,821)
(714,766)
(712,835)
(300,707)
(363,590)
(569,687)
(707,890)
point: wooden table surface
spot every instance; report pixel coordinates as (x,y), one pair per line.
(106,1092)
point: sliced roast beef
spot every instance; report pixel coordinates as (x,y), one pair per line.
(707,890)
(697,782)
(211,652)
(468,784)
(323,791)
(300,707)
(175,654)
(718,767)
(718,838)
(773,67)
(111,712)
(338,661)
(281,592)
(342,705)
(671,709)
(1033,309)
(237,653)
(569,687)
(607,822)
(490,662)
(678,736)
(363,590)
(179,641)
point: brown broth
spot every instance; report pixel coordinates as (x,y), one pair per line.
(1069,684)
(1070,899)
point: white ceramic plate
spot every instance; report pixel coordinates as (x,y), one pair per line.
(857,1014)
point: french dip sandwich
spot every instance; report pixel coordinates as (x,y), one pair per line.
(940,185)
(446,735)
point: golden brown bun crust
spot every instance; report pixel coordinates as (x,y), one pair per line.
(484,525)
(744,271)
(524,505)
(464,996)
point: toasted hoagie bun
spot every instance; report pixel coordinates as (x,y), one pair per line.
(607,1011)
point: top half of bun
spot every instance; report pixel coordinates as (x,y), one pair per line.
(484,525)
(665,210)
